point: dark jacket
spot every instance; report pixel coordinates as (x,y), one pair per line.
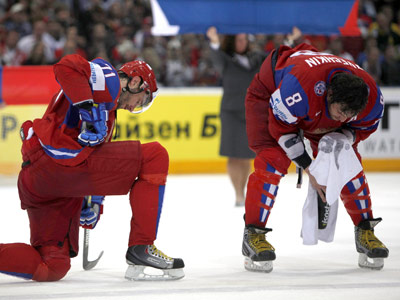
(235,77)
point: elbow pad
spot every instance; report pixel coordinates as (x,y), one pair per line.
(294,147)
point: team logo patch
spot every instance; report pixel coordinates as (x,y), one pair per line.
(320,88)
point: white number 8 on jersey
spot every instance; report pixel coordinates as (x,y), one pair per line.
(293,99)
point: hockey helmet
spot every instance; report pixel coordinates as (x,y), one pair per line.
(148,83)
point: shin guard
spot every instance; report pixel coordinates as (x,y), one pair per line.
(147,194)
(356,199)
(262,189)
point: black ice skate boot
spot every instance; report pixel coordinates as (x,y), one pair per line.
(369,246)
(258,253)
(157,265)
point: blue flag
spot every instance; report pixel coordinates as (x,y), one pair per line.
(325,17)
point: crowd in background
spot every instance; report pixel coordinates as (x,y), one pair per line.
(40,32)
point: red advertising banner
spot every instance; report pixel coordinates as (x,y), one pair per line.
(27,85)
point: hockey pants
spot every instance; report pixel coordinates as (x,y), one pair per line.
(55,223)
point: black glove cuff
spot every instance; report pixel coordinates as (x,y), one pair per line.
(88,104)
(303,160)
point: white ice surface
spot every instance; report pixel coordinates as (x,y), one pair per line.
(200,224)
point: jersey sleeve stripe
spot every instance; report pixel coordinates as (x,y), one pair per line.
(61,153)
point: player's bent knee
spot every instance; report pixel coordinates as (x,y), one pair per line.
(56,263)
(58,270)
(155,159)
(161,154)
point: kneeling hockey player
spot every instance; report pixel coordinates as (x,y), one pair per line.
(69,165)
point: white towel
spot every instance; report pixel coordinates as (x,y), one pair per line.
(335,164)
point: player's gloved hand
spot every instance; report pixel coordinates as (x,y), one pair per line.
(94,124)
(350,134)
(92,208)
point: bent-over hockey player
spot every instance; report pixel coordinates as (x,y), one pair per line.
(301,89)
(68,160)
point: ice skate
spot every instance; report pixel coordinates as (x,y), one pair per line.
(372,250)
(146,262)
(258,253)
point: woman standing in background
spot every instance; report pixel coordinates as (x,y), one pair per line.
(237,66)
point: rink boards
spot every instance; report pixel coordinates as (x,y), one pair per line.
(186,122)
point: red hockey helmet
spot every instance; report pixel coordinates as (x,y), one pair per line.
(148,84)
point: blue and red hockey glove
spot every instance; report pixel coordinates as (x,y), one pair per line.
(94,124)
(92,208)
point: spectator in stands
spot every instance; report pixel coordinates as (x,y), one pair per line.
(10,55)
(57,35)
(17,19)
(336,48)
(72,44)
(237,67)
(63,16)
(39,34)
(100,43)
(373,65)
(291,39)
(37,56)
(391,67)
(124,51)
(385,31)
(274,42)
(178,71)
(143,32)
(369,42)
(116,16)
(206,73)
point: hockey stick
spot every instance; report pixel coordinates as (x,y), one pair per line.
(299,170)
(87,264)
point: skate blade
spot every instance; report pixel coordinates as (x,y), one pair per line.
(365,262)
(143,273)
(258,266)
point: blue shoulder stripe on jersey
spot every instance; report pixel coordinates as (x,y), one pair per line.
(376,112)
(21,275)
(372,127)
(293,96)
(279,74)
(112,78)
(60,153)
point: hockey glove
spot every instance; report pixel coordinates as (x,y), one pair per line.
(92,208)
(94,124)
(349,133)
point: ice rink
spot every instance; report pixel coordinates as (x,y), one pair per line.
(200,224)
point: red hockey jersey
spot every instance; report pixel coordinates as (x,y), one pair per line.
(80,80)
(299,100)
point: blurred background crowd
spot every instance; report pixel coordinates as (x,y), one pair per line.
(40,32)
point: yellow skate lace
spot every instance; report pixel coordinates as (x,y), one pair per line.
(258,242)
(370,241)
(159,253)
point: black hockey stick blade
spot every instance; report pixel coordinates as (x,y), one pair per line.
(323,213)
(88,265)
(299,172)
